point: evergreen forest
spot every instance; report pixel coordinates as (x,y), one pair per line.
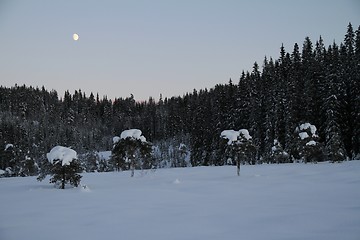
(312,83)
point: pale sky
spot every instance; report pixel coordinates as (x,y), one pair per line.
(152,47)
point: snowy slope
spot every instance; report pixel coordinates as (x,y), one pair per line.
(290,201)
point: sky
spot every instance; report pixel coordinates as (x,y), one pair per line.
(152,47)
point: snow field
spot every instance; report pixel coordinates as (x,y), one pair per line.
(288,201)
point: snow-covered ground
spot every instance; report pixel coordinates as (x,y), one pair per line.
(290,201)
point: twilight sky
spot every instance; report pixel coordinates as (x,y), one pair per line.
(153,47)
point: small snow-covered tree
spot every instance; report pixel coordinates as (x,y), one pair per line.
(278,154)
(131,150)
(308,146)
(184,158)
(89,161)
(240,145)
(178,155)
(28,167)
(63,165)
(7,160)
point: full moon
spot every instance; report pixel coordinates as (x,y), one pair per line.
(75,37)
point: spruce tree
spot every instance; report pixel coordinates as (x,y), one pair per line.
(309,148)
(355,83)
(335,149)
(278,155)
(331,108)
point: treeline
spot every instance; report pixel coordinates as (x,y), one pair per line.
(315,84)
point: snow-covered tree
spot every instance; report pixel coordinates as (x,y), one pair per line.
(183,155)
(28,167)
(131,150)
(89,161)
(240,145)
(278,154)
(308,146)
(7,160)
(63,165)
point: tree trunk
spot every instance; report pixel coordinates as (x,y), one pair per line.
(238,166)
(132,168)
(63,178)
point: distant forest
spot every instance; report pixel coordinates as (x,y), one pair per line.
(316,84)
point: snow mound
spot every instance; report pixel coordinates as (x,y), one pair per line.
(177,181)
(233,135)
(116,139)
(64,154)
(245,134)
(182,146)
(311,143)
(304,132)
(133,133)
(303,135)
(7,146)
(306,126)
(85,188)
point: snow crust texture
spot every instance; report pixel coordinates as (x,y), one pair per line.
(64,154)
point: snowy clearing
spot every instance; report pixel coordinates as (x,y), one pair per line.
(289,201)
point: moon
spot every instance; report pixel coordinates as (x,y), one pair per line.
(75,36)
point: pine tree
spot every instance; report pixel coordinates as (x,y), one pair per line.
(64,167)
(66,174)
(131,151)
(240,146)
